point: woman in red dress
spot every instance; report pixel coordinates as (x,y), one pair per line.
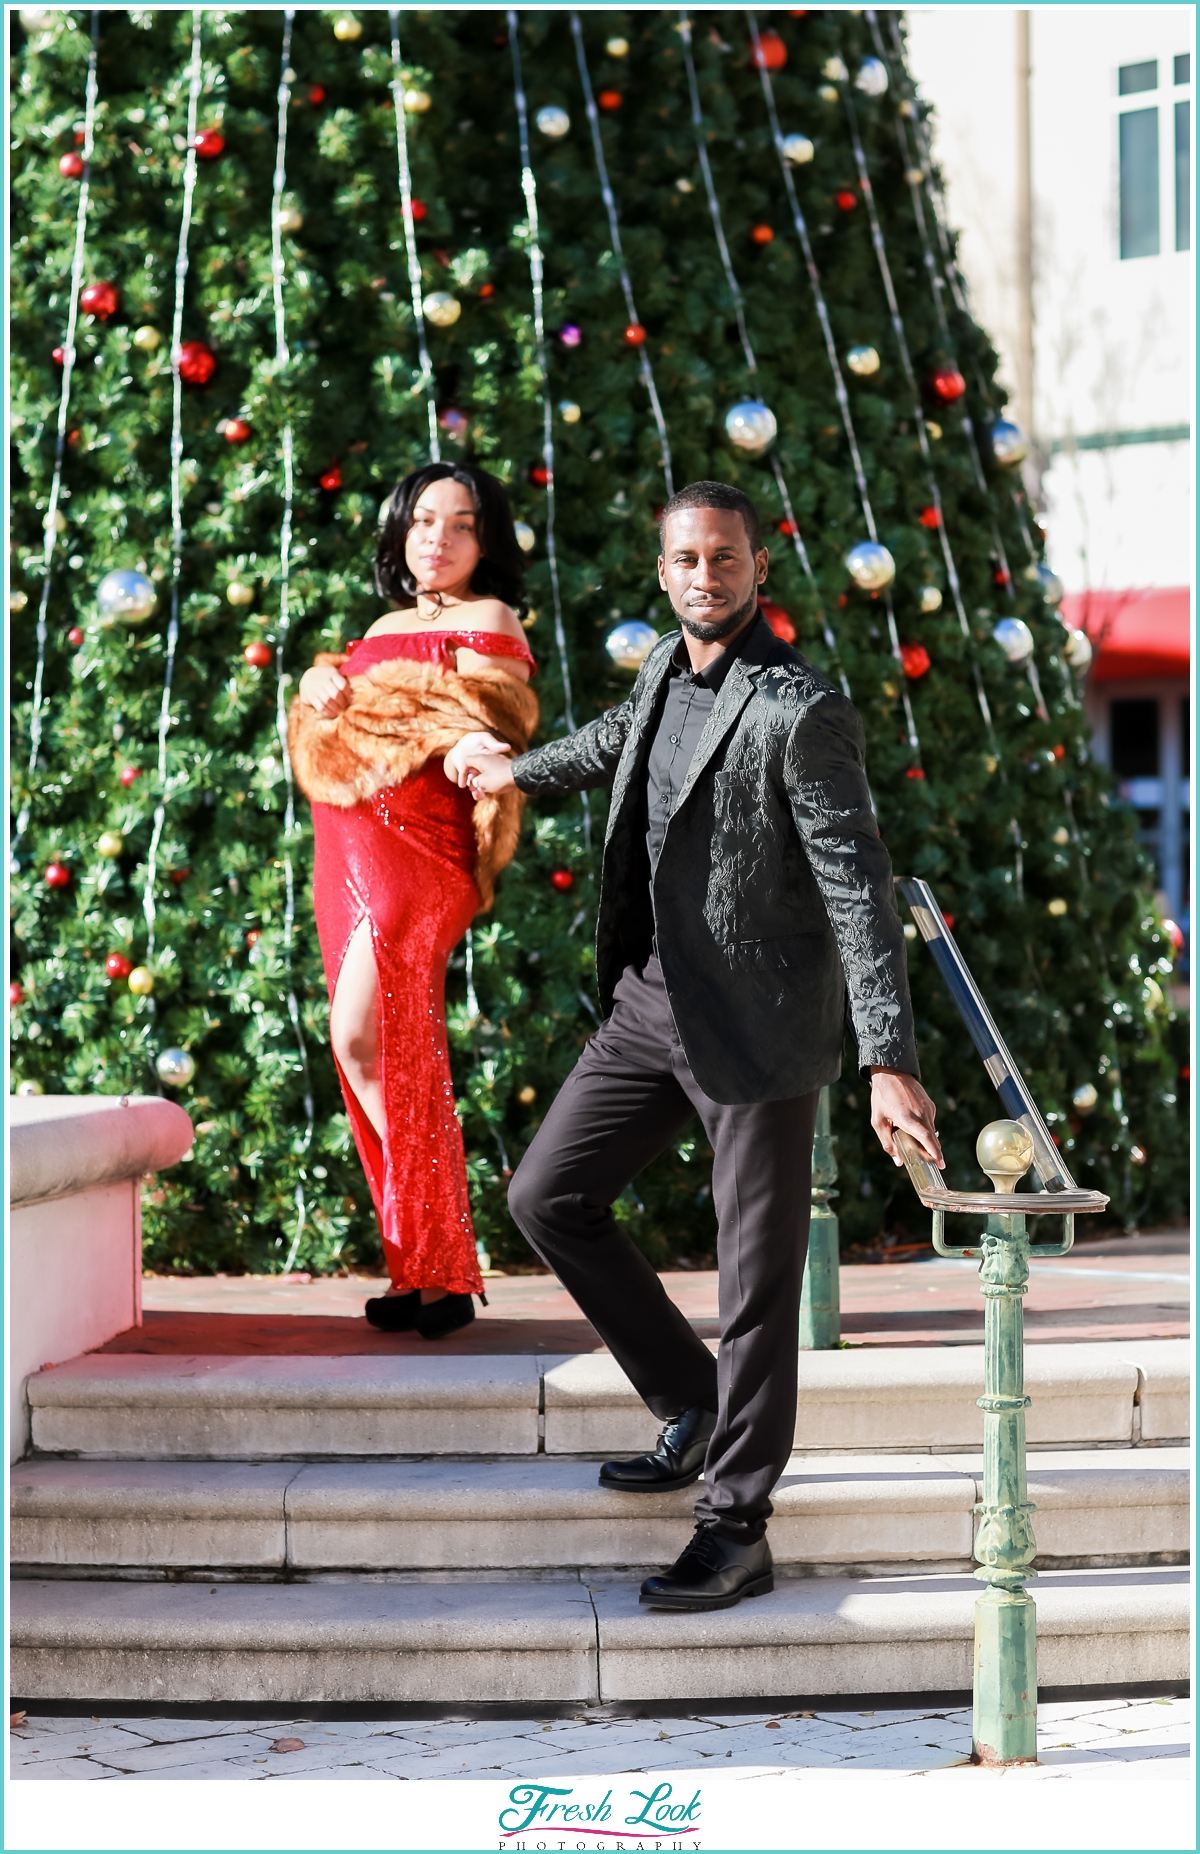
(404,859)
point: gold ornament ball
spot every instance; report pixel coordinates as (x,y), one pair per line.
(991,762)
(527,1096)
(1056,907)
(1138,1154)
(17,601)
(863,361)
(288,219)
(914,176)
(1062,835)
(110,843)
(346,27)
(931,599)
(1005,1152)
(932,429)
(798,149)
(526,538)
(416,102)
(827,93)
(141,981)
(442,309)
(569,412)
(616,48)
(30,1087)
(834,70)
(147,339)
(238,593)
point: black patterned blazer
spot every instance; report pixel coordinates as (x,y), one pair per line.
(773,895)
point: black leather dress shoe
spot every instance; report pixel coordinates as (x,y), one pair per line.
(712,1573)
(394,1313)
(676,1462)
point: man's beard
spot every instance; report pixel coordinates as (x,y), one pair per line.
(724,627)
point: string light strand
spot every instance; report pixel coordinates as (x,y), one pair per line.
(428,383)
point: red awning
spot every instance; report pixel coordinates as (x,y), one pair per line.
(1146,634)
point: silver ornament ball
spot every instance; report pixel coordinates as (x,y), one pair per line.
(834,70)
(30,1087)
(1009,443)
(631,643)
(175,1067)
(870,566)
(1078,651)
(1084,1099)
(1015,640)
(526,538)
(1053,590)
(750,427)
(798,150)
(872,77)
(931,599)
(553,122)
(863,361)
(125,594)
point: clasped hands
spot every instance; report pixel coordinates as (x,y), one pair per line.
(480,763)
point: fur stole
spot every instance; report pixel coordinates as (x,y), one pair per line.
(402,714)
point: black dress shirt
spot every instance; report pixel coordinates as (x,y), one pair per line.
(688,702)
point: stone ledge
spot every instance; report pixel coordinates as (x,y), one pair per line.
(62,1143)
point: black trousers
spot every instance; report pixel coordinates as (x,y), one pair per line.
(630,1095)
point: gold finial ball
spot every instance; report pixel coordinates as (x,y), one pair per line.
(347,28)
(1005,1152)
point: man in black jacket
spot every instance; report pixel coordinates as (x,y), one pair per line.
(745,893)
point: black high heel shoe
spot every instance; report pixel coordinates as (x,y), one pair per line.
(394,1313)
(441,1317)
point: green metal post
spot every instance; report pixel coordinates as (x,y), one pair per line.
(1004,1727)
(820,1302)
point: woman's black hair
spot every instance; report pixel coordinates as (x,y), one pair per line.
(500,573)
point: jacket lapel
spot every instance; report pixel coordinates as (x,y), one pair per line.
(654,674)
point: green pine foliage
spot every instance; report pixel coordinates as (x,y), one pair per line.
(1080,993)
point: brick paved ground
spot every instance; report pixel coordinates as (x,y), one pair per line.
(1114,1738)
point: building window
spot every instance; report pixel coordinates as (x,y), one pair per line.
(1183,68)
(1133,736)
(1183,175)
(1138,151)
(1134,78)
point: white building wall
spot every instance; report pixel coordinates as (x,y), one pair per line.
(1113,337)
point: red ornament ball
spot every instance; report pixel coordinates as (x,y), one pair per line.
(845,201)
(419,210)
(209,144)
(778,620)
(258,656)
(562,879)
(236,431)
(486,290)
(197,362)
(949,920)
(129,774)
(914,772)
(1060,753)
(15,995)
(59,356)
(100,300)
(948,384)
(929,518)
(761,234)
(117,966)
(539,476)
(1000,577)
(610,99)
(771,52)
(316,93)
(179,876)
(790,528)
(73,438)
(70,166)
(915,659)
(635,335)
(332,478)
(75,637)
(254,936)
(57,875)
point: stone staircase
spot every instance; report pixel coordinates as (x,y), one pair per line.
(430,1530)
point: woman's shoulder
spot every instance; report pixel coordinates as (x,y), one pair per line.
(485,615)
(393,623)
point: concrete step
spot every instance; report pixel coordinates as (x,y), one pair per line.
(547,1513)
(878,1399)
(458,1643)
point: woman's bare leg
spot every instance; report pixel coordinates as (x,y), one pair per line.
(354,1035)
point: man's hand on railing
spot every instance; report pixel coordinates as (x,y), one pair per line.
(898,1100)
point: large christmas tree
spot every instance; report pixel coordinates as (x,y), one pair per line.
(262,267)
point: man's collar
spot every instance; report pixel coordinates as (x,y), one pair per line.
(714,675)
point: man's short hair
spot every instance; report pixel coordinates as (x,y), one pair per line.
(714,496)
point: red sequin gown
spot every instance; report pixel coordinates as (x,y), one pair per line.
(403,860)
